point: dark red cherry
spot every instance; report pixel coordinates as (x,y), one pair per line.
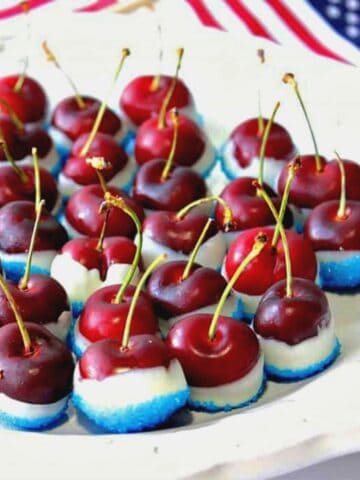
(181,187)
(231,355)
(139,102)
(108,357)
(40,377)
(292,319)
(82,213)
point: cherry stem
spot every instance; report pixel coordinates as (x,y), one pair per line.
(259,244)
(21,78)
(270,204)
(196,249)
(292,168)
(290,79)
(13,115)
(50,57)
(20,322)
(261,55)
(37,178)
(228,216)
(167,167)
(100,245)
(126,335)
(134,5)
(165,104)
(99,164)
(118,202)
(264,143)
(19,171)
(155,84)
(341,213)
(101,112)
(25,279)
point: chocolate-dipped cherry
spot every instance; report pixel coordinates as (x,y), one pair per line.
(144,96)
(269,267)
(333,228)
(177,233)
(178,288)
(294,324)
(161,185)
(221,357)
(131,384)
(248,208)
(86,264)
(16,226)
(36,373)
(75,115)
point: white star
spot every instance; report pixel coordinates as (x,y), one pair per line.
(352,4)
(332,11)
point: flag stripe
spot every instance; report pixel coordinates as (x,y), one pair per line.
(96,6)
(251,21)
(300,30)
(18,9)
(204,14)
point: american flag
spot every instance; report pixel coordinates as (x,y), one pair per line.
(330,28)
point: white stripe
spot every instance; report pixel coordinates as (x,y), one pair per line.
(227,18)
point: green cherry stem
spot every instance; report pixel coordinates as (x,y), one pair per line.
(19,171)
(13,115)
(289,78)
(21,78)
(259,244)
(196,249)
(118,202)
(228,216)
(270,204)
(85,149)
(146,275)
(264,140)
(170,160)
(99,164)
(100,244)
(341,213)
(37,178)
(155,84)
(165,104)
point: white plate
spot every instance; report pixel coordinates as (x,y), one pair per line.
(293,425)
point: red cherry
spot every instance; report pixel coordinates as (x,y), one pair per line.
(181,187)
(173,296)
(292,319)
(29,103)
(153,142)
(232,353)
(139,102)
(73,121)
(40,377)
(269,266)
(82,213)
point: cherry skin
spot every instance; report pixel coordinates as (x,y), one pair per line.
(326,231)
(73,121)
(310,187)
(248,209)
(103,145)
(139,102)
(82,213)
(40,377)
(181,187)
(269,266)
(246,139)
(153,142)
(16,225)
(173,296)
(30,103)
(31,304)
(180,235)
(292,319)
(232,353)
(102,318)
(13,188)
(115,250)
(108,357)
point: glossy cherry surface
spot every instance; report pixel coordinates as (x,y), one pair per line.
(231,355)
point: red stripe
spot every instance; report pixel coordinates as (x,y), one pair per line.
(301,31)
(96,6)
(204,14)
(250,20)
(18,9)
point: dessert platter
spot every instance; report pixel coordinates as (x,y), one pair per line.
(180,264)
